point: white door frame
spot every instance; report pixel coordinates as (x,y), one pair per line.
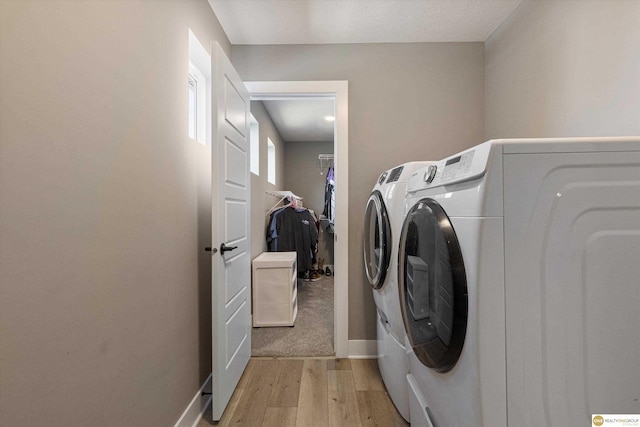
(337,89)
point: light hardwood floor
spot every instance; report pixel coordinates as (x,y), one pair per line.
(310,392)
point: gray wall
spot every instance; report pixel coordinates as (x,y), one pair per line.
(104,212)
(261,202)
(304,178)
(427,98)
(565,68)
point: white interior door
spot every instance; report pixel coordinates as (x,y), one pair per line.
(231,269)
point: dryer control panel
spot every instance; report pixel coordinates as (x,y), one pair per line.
(464,166)
(458,166)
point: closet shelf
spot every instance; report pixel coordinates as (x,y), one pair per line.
(282,195)
(324,161)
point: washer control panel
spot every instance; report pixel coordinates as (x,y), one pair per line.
(383,177)
(430,173)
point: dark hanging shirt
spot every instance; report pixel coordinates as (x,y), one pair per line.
(296,232)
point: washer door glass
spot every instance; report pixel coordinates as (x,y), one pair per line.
(433,286)
(377,240)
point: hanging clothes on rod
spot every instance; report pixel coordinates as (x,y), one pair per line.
(293,229)
(330,196)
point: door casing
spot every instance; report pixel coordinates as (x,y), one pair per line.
(338,90)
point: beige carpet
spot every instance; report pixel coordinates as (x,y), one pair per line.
(312,334)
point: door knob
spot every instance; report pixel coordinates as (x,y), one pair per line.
(224,248)
(210,249)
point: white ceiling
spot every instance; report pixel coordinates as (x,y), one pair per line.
(259,22)
(302,120)
(256,22)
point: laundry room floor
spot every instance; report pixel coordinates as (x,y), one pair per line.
(310,392)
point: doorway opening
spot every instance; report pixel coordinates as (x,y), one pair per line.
(336,92)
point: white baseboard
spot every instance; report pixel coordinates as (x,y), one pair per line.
(363,349)
(199,404)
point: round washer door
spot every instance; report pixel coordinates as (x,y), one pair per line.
(433,286)
(377,240)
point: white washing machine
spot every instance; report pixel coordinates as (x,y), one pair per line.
(383,222)
(520,284)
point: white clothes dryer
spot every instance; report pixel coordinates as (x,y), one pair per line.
(518,282)
(382,225)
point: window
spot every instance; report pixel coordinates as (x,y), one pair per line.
(193,107)
(254,143)
(271,162)
(197,104)
(199,81)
